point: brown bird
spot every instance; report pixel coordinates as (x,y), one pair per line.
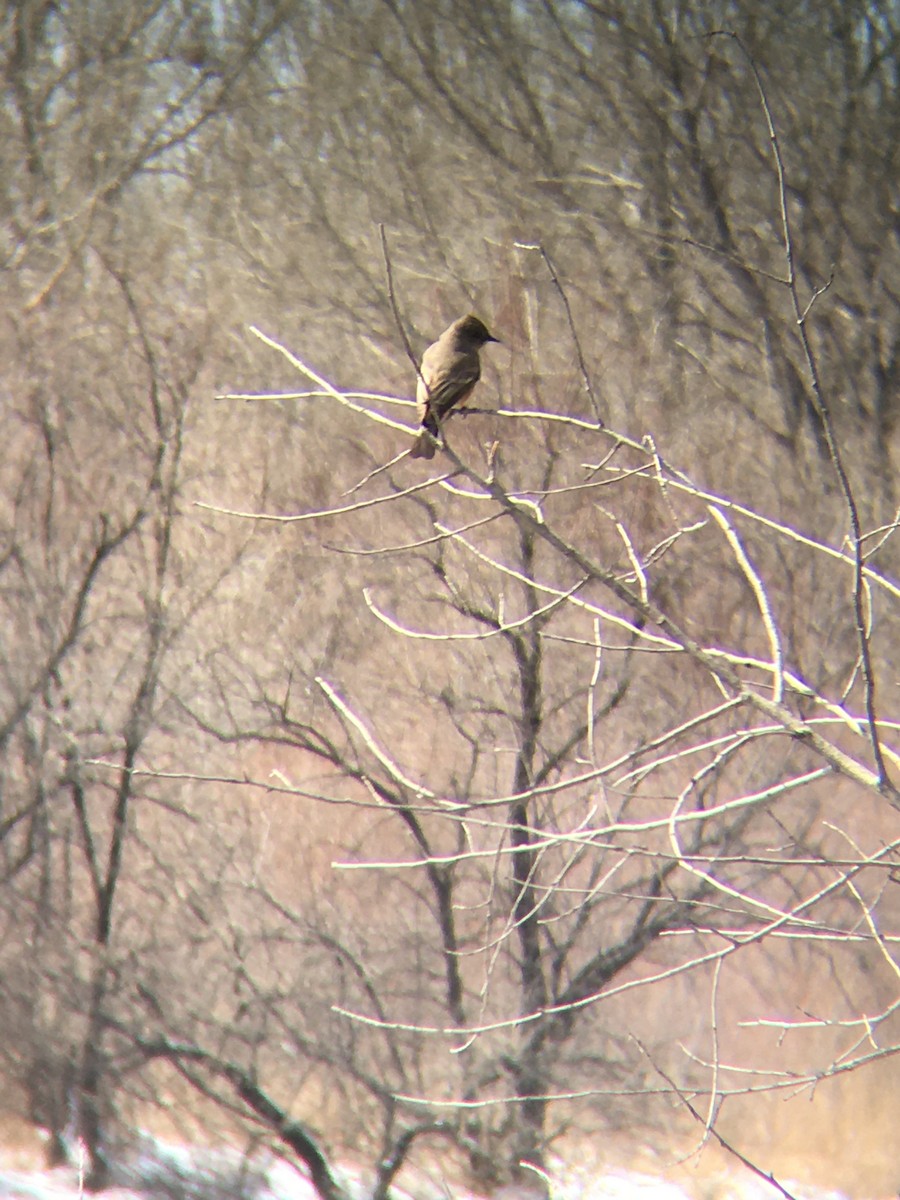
(450,369)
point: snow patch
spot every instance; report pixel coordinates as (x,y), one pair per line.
(155,1170)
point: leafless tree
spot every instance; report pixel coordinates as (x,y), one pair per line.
(634,738)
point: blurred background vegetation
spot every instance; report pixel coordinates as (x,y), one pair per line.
(172,172)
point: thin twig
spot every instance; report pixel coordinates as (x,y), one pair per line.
(395,309)
(340,511)
(884,782)
(585,374)
(374,473)
(726,1145)
(762,601)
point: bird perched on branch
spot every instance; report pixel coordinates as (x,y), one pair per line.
(450,369)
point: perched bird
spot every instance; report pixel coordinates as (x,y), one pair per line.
(450,369)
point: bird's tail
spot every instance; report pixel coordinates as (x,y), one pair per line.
(424,446)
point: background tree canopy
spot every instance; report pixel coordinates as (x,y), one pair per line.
(543,799)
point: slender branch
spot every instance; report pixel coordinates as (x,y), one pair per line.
(801,313)
(762,601)
(395,309)
(767,1176)
(582,364)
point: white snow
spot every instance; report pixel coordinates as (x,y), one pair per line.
(162,1171)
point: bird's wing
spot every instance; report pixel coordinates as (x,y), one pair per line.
(447,383)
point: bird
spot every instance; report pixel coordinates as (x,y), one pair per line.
(450,369)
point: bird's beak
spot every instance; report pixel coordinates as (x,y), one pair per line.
(491,338)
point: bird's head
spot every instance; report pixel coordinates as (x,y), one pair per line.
(473,330)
